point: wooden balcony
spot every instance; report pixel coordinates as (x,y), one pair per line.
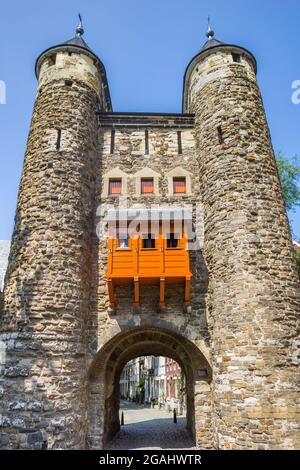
(158,261)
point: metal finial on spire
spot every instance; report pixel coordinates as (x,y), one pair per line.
(210,33)
(79,29)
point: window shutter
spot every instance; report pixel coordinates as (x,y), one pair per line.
(147,186)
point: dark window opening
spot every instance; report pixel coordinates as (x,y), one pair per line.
(52,59)
(147,186)
(115,186)
(69,53)
(179,185)
(112,141)
(172,240)
(149,241)
(236,58)
(146,142)
(179,142)
(68,82)
(220,135)
(58,139)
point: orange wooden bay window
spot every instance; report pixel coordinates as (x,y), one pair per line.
(115,186)
(179,185)
(159,257)
(147,186)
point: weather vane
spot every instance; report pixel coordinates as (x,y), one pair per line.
(79,29)
(210,33)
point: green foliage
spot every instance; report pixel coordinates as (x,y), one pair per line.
(181,387)
(141,391)
(142,383)
(289,173)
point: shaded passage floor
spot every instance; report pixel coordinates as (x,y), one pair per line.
(147,428)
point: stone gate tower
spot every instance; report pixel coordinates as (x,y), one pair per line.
(51,248)
(254,296)
(79,306)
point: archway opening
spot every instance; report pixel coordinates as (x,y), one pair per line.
(106,372)
(153,405)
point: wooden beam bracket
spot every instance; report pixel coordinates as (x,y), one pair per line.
(111,295)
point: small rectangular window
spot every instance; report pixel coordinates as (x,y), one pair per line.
(179,185)
(220,135)
(112,141)
(147,186)
(58,139)
(68,83)
(179,142)
(149,241)
(146,142)
(172,240)
(115,186)
(236,58)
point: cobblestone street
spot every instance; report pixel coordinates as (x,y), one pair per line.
(147,428)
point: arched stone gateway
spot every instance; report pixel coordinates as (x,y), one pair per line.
(106,368)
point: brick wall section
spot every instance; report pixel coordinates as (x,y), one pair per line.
(254,290)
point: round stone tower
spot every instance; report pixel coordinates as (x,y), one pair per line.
(48,280)
(254,292)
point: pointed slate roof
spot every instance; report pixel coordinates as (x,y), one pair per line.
(211,42)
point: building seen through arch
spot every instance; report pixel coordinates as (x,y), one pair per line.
(154,380)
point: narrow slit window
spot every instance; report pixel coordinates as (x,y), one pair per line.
(147,186)
(236,58)
(52,59)
(115,186)
(149,241)
(58,139)
(172,240)
(179,185)
(146,142)
(179,142)
(112,141)
(220,135)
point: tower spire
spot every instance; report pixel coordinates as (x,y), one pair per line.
(79,29)
(210,33)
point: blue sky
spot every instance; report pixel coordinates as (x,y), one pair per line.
(145,46)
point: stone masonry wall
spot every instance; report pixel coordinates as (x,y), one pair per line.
(254,292)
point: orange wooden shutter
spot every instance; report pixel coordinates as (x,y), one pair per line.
(179,185)
(147,186)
